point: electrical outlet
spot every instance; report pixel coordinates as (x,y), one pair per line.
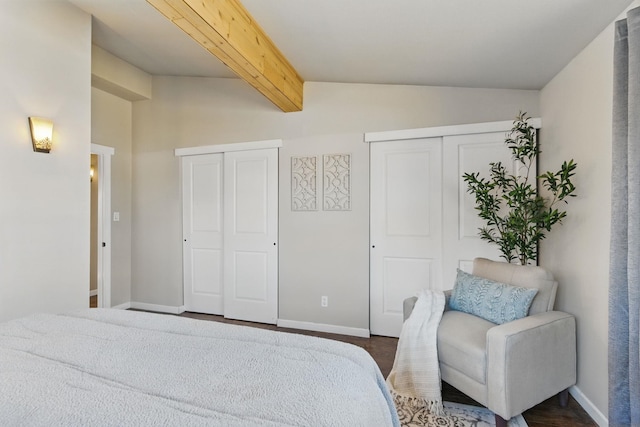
(324,301)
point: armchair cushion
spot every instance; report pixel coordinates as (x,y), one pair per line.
(493,301)
(462,343)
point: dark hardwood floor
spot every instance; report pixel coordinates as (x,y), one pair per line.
(383,349)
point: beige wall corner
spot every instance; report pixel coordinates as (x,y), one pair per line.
(117,77)
(576,109)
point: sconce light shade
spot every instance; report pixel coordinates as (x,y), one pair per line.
(41,134)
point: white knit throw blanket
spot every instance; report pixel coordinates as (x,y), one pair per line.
(415,376)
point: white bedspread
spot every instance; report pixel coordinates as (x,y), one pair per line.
(121,368)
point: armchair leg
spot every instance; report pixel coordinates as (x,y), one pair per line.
(564,397)
(500,422)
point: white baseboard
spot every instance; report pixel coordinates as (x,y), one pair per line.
(589,407)
(158,308)
(125,306)
(321,327)
(283,323)
(93,292)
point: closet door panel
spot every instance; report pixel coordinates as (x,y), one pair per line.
(251,231)
(249,190)
(202,233)
(406,238)
(251,272)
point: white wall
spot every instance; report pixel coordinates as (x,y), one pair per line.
(44,198)
(576,109)
(321,253)
(111,126)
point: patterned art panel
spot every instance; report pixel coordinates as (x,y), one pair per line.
(303,184)
(337,182)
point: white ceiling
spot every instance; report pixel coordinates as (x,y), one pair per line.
(514,44)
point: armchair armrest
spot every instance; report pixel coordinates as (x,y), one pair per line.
(407,307)
(409,303)
(530,360)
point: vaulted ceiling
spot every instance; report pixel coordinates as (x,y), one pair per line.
(512,44)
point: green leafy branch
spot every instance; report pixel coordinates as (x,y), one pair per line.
(516,216)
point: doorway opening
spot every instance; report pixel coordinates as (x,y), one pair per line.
(100,242)
(94,176)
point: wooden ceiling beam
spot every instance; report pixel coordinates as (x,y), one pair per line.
(227,30)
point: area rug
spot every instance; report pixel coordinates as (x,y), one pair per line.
(456,415)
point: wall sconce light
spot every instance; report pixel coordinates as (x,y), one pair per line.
(41,134)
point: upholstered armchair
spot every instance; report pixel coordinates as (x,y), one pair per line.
(516,365)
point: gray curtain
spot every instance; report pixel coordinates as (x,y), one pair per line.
(624,286)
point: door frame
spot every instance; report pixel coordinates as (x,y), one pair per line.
(104,154)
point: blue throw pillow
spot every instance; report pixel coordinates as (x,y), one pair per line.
(496,302)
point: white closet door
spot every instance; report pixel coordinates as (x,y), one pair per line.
(462,154)
(251,231)
(202,233)
(406,219)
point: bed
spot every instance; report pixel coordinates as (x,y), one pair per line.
(119,368)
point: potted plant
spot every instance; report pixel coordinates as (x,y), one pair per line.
(516,215)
